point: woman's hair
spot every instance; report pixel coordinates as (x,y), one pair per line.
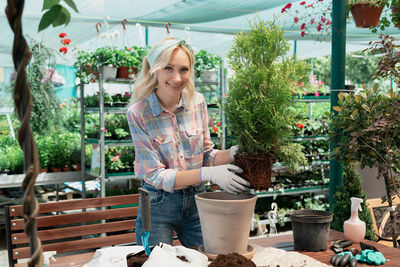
(147,80)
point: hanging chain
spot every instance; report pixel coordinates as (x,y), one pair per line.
(23,104)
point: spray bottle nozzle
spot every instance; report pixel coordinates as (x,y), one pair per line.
(356,203)
(47,255)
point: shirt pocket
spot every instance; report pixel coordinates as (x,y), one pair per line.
(166,145)
(193,143)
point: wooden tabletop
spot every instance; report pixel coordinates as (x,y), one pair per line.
(282,241)
(285,241)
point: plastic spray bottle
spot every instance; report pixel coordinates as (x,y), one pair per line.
(354,228)
(47,255)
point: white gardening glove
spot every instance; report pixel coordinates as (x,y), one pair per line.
(224,176)
(232,151)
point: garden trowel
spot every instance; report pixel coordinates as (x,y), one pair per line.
(145,213)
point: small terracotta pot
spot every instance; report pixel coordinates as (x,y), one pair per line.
(366,15)
(55,169)
(66,169)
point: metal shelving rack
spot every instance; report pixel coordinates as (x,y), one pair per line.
(101,142)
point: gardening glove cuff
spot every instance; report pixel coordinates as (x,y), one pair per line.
(225,177)
(232,151)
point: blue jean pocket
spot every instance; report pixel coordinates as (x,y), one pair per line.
(156,195)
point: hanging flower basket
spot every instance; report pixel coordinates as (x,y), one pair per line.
(126,72)
(366,15)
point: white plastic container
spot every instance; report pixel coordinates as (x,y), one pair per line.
(354,228)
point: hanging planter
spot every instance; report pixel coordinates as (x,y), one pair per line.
(366,14)
(126,72)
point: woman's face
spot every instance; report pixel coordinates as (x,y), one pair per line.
(173,78)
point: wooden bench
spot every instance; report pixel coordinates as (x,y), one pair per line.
(381,217)
(75,226)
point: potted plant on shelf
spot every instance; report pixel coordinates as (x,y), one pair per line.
(366,13)
(205,66)
(259,106)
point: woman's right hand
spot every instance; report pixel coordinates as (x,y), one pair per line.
(225,177)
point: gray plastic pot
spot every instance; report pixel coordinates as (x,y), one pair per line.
(311,229)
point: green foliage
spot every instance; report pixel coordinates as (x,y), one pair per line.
(205,61)
(366,128)
(131,57)
(11,156)
(259,105)
(342,204)
(292,155)
(56,14)
(46,110)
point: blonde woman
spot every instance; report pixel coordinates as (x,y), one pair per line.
(174,153)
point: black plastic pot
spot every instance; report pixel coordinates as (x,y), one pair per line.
(311,229)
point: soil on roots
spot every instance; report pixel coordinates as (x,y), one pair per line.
(257,169)
(232,260)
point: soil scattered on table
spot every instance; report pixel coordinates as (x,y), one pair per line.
(232,260)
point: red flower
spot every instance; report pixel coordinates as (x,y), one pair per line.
(289,5)
(62,35)
(322,18)
(215,129)
(127,94)
(319,27)
(303,34)
(296,19)
(300,126)
(316,93)
(130,48)
(63,50)
(303,3)
(312,21)
(66,41)
(219,123)
(303,26)
(311,5)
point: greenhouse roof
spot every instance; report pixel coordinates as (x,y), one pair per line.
(208,24)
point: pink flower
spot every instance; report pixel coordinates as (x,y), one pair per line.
(316,93)
(105,130)
(296,19)
(311,5)
(322,18)
(303,3)
(62,35)
(115,158)
(127,94)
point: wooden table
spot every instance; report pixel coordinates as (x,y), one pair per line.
(285,241)
(282,241)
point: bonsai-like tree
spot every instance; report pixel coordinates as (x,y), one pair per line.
(366,130)
(342,205)
(259,107)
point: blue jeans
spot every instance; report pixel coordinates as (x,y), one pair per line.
(170,212)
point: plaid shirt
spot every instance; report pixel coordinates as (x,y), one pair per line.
(167,142)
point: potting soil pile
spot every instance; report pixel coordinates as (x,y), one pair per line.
(231,260)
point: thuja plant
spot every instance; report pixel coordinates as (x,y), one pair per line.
(366,130)
(259,106)
(342,204)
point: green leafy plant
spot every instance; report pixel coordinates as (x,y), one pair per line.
(205,61)
(131,56)
(259,105)
(46,109)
